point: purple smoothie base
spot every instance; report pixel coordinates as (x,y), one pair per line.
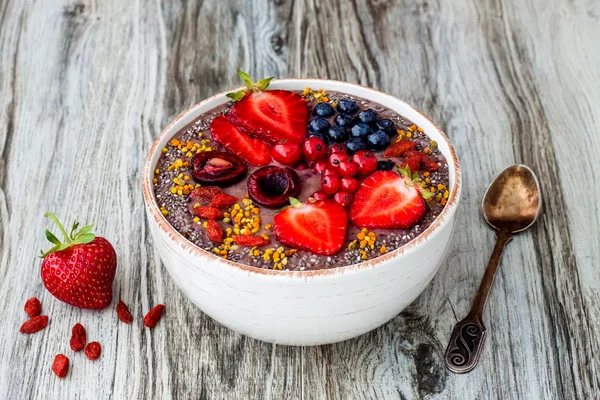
(180,207)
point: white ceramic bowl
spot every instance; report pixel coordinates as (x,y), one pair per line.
(304,307)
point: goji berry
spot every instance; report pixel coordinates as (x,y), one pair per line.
(250,241)
(222,201)
(92,350)
(207,212)
(60,366)
(399,148)
(428,163)
(123,312)
(205,194)
(153,316)
(33,307)
(78,337)
(34,324)
(214,231)
(414,163)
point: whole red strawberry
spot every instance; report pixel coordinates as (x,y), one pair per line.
(80,271)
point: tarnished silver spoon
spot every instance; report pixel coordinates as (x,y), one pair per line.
(510,205)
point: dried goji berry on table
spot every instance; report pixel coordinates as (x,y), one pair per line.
(34,324)
(151,319)
(93,350)
(33,307)
(78,337)
(60,366)
(123,312)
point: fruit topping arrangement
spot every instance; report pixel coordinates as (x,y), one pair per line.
(361,179)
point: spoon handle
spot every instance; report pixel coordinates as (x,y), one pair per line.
(468,335)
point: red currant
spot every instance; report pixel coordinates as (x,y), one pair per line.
(337,148)
(319,166)
(314,149)
(336,158)
(348,168)
(366,160)
(329,171)
(301,166)
(319,195)
(344,199)
(286,152)
(330,184)
(349,185)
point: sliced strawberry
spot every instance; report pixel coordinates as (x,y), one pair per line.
(399,148)
(318,227)
(250,241)
(387,200)
(207,212)
(214,231)
(251,150)
(222,201)
(271,115)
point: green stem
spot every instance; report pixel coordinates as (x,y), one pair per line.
(62,230)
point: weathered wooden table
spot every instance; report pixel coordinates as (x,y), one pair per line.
(85,87)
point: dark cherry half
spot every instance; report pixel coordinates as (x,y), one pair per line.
(272,186)
(218,168)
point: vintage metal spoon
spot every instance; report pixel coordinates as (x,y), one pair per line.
(511,204)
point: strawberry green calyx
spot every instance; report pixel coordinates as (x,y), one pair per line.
(73,238)
(415,181)
(251,86)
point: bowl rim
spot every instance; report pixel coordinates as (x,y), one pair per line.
(152,205)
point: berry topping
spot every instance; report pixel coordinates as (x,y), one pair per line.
(251,150)
(323,110)
(287,152)
(222,201)
(81,270)
(218,168)
(330,184)
(344,199)
(347,107)
(205,194)
(389,201)
(320,135)
(387,125)
(378,140)
(273,186)
(337,148)
(250,241)
(347,168)
(214,231)
(207,212)
(319,195)
(319,166)
(385,165)
(335,159)
(360,130)
(318,124)
(369,116)
(399,148)
(314,149)
(413,163)
(355,144)
(344,121)
(269,115)
(337,134)
(366,160)
(318,227)
(348,185)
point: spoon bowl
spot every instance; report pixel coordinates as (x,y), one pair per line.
(513,201)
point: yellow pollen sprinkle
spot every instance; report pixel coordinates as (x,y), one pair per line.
(164,150)
(196,219)
(382,249)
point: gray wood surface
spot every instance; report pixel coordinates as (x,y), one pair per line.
(85,87)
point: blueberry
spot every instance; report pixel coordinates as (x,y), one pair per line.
(348,107)
(323,110)
(385,165)
(318,124)
(368,116)
(378,140)
(320,135)
(337,134)
(360,130)
(387,126)
(343,120)
(355,144)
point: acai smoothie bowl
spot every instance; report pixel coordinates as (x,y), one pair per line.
(302,211)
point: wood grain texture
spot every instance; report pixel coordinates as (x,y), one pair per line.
(86,86)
